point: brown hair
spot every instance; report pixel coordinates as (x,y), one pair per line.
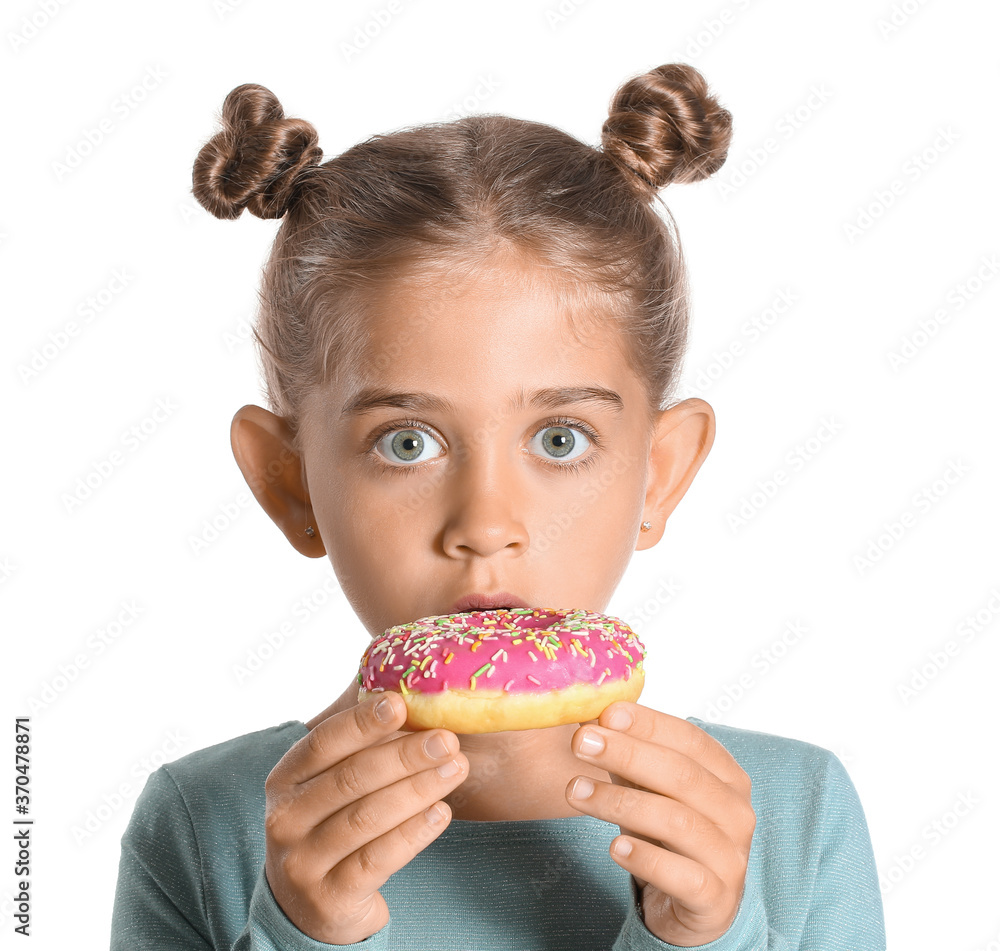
(454,193)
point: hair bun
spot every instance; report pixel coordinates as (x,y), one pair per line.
(666,127)
(254,161)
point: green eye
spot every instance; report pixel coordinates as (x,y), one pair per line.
(559,441)
(406,445)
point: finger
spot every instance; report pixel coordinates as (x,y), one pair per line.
(703,894)
(362,845)
(338,737)
(667,771)
(368,869)
(662,729)
(658,819)
(360,775)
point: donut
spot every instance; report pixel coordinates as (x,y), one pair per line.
(505,669)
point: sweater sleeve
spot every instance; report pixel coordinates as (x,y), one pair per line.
(269,929)
(160,902)
(748,932)
(830,867)
(846,907)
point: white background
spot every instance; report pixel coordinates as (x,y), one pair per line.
(850,102)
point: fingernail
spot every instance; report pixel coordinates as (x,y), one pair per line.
(582,788)
(622,848)
(384,711)
(448,769)
(619,720)
(434,815)
(591,744)
(435,747)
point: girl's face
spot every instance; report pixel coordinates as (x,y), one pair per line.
(481,478)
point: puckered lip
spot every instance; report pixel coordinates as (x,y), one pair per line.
(488,602)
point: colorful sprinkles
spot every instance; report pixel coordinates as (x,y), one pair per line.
(530,649)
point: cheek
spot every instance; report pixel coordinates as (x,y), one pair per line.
(382,519)
(613,489)
(356,495)
(591,521)
(377,558)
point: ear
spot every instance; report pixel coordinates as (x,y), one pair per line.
(263,445)
(682,438)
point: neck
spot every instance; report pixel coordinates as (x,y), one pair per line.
(518,774)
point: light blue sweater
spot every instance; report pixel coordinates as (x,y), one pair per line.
(191,874)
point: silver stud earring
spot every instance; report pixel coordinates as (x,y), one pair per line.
(311,532)
(646,526)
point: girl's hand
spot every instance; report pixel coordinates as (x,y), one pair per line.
(345,809)
(683,805)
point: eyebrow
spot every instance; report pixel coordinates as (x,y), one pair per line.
(373,396)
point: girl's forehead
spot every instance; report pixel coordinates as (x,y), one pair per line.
(494,339)
(488,341)
(464,375)
(504,305)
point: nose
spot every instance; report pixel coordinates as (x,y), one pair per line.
(487,508)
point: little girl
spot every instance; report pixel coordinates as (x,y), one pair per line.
(471,334)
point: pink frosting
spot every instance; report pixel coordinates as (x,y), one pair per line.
(516,650)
